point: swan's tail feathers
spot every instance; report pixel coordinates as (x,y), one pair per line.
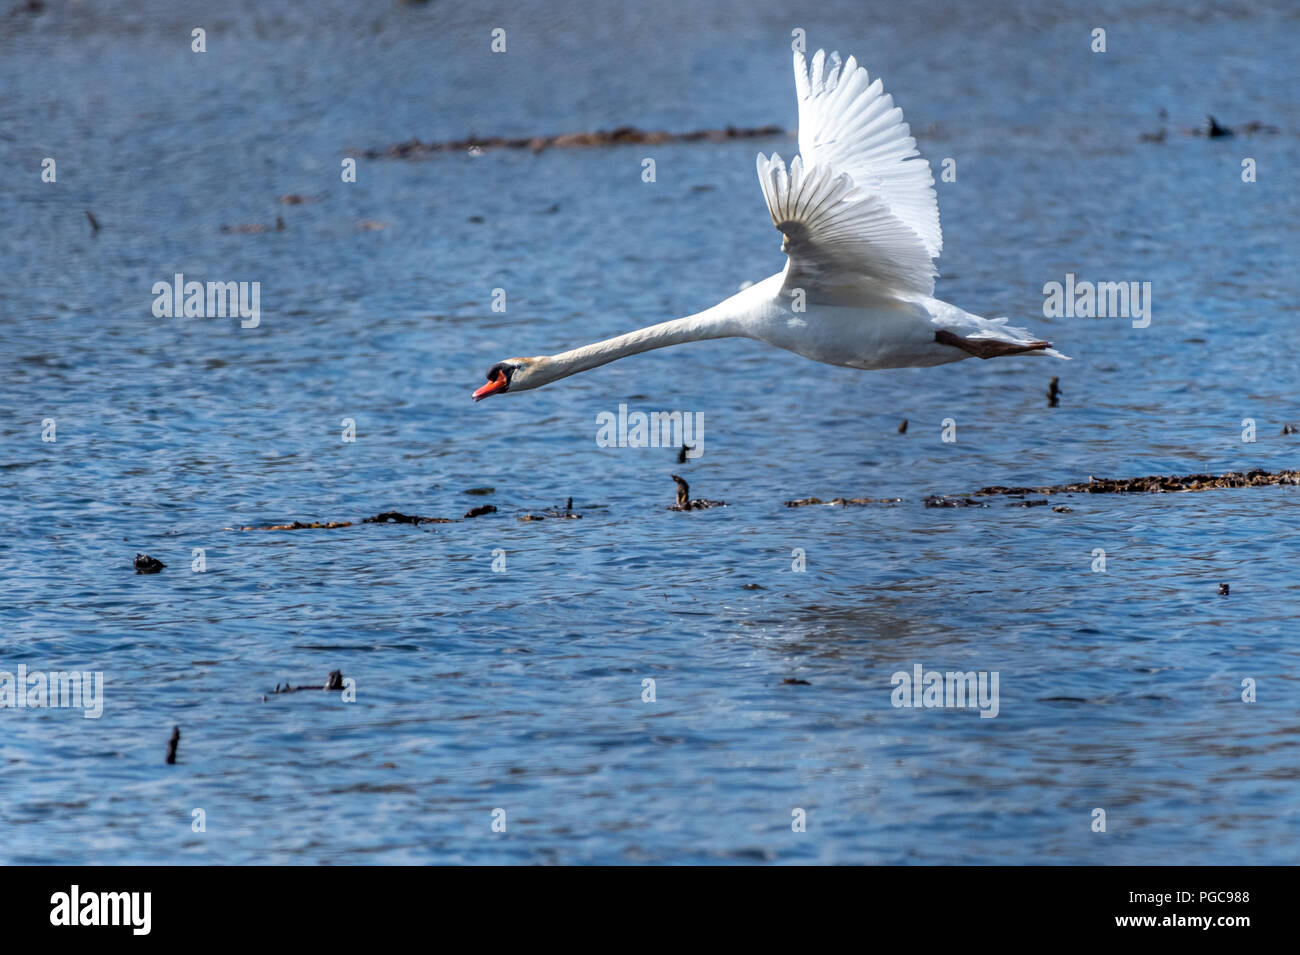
(999,330)
(994,343)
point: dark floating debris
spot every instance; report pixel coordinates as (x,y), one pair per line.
(843,501)
(144,564)
(480,490)
(297,199)
(902,428)
(397,517)
(1224,590)
(172,742)
(295,526)
(254,228)
(620,136)
(1155,484)
(1212,129)
(686,503)
(794,681)
(332,682)
(1054,392)
(94,223)
(566,514)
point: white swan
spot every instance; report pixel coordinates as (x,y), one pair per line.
(861,224)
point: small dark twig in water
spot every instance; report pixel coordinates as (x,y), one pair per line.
(94,223)
(144,564)
(902,428)
(566,514)
(173,741)
(481,510)
(1053,393)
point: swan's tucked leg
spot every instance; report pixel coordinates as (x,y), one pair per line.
(987,347)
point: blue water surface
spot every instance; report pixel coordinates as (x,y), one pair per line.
(522,690)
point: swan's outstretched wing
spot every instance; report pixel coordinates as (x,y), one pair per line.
(838,239)
(857,207)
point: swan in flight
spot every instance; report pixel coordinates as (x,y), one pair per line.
(861,223)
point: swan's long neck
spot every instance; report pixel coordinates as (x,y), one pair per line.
(715,322)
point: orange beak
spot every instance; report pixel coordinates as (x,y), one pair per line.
(496,384)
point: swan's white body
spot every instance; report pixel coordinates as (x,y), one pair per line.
(861,224)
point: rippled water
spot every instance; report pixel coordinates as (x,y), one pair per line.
(522,690)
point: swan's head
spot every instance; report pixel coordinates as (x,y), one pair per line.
(514,374)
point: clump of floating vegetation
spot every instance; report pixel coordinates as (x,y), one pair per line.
(1155,484)
(620,136)
(1151,484)
(843,501)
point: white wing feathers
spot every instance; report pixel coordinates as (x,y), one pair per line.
(863,205)
(836,237)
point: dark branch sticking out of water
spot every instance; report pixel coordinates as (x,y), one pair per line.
(687,503)
(621,136)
